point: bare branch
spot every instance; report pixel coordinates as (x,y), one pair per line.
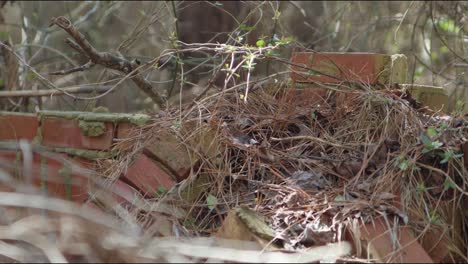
(11,68)
(106,59)
(83,67)
(74,46)
(49,92)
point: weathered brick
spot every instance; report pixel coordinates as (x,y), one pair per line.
(431,96)
(369,68)
(125,131)
(436,245)
(123,193)
(60,132)
(61,180)
(146,175)
(10,162)
(15,126)
(48,174)
(376,241)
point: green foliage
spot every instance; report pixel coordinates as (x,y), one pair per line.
(260,43)
(189,222)
(244,27)
(448,25)
(448,184)
(160,191)
(435,218)
(406,164)
(430,141)
(339,198)
(420,188)
(448,155)
(212,201)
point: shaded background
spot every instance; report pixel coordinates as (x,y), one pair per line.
(431,34)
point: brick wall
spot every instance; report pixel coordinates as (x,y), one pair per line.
(64,148)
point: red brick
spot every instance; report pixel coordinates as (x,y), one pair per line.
(10,163)
(125,130)
(377,241)
(146,175)
(18,126)
(123,193)
(54,182)
(436,245)
(58,132)
(364,67)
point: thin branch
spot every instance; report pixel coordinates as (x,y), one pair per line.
(49,92)
(83,67)
(106,59)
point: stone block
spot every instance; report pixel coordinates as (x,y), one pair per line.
(168,149)
(433,97)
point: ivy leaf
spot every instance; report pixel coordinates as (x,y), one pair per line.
(212,201)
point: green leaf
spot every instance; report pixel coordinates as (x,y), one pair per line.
(246,28)
(432,132)
(443,126)
(339,198)
(260,43)
(448,25)
(436,144)
(404,165)
(448,184)
(425,140)
(212,201)
(311,59)
(420,187)
(161,190)
(435,218)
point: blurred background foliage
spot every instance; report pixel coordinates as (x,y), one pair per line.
(431,34)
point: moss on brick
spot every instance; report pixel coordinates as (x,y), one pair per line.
(66,172)
(92,129)
(137,119)
(100,109)
(85,153)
